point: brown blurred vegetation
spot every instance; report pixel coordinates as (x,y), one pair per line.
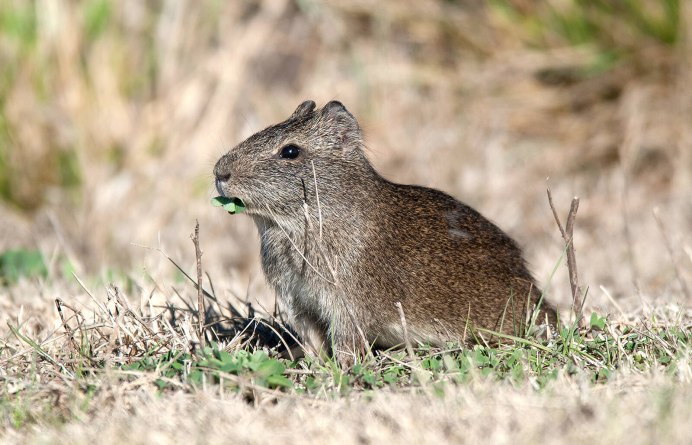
(112,115)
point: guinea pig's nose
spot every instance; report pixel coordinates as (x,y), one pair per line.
(221,179)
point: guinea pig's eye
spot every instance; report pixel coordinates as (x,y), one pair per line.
(290,151)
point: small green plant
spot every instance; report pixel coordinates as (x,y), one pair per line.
(597,322)
(234,369)
(231,205)
(15,264)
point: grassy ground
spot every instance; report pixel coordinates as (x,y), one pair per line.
(125,374)
(113,114)
(126,371)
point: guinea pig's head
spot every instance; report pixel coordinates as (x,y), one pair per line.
(309,154)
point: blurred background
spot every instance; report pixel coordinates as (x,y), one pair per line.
(112,115)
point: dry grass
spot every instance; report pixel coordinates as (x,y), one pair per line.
(654,412)
(65,382)
(113,114)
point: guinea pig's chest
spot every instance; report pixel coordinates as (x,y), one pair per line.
(290,256)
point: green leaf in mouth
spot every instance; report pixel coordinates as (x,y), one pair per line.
(231,205)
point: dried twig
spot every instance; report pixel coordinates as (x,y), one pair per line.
(201,311)
(317,198)
(68,331)
(318,244)
(567,233)
(308,220)
(407,339)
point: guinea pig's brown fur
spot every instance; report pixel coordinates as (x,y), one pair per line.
(342,246)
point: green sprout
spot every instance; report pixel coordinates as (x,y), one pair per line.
(231,205)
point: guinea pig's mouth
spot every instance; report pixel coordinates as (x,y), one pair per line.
(231,205)
(226,197)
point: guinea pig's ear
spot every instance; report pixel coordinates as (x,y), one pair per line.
(342,123)
(304,109)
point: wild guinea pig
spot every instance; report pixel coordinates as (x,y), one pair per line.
(347,251)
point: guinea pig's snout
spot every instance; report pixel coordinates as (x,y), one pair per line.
(221,177)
